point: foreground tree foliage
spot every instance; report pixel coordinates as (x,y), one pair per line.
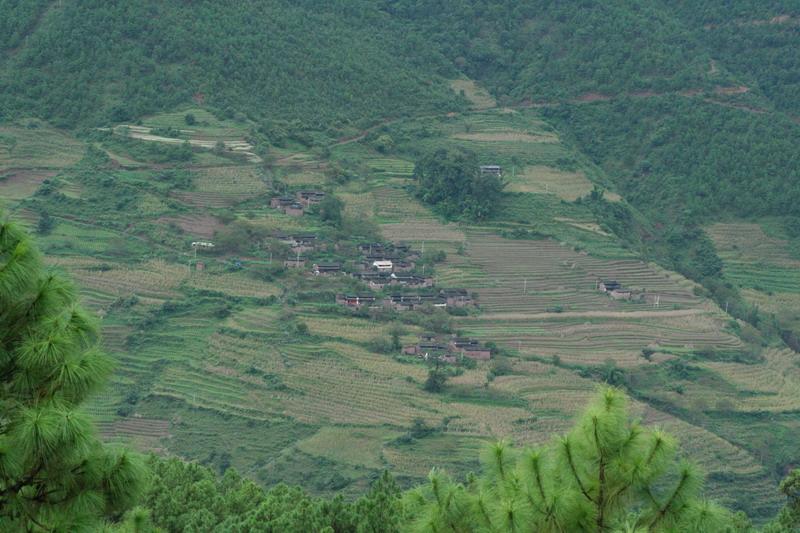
(607,474)
(185,497)
(54,473)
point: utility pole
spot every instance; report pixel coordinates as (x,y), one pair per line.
(525,287)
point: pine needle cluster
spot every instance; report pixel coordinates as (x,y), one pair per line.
(54,473)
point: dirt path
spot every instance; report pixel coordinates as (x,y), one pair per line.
(595,314)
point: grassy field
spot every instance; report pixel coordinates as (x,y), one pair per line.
(245,365)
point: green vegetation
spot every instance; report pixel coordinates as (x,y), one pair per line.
(245,62)
(453,183)
(55,475)
(606,474)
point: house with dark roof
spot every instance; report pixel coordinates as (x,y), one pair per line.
(281,202)
(356,300)
(294,210)
(456,297)
(308,198)
(326,269)
(491,170)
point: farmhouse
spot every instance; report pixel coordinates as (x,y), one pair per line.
(456,297)
(281,202)
(615,290)
(470,348)
(430,343)
(491,170)
(403,266)
(383,266)
(355,300)
(376,280)
(609,285)
(409,302)
(326,269)
(294,210)
(411,281)
(295,262)
(308,198)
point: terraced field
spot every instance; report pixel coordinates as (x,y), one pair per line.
(755,260)
(220,361)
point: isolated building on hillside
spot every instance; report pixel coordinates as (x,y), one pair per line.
(615,290)
(491,170)
(609,285)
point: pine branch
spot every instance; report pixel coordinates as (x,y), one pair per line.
(665,508)
(601,479)
(574,471)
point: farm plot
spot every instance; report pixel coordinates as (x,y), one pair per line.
(195,225)
(592,341)
(17,184)
(548,180)
(773,385)
(755,260)
(40,147)
(155,279)
(233,283)
(235,180)
(234,144)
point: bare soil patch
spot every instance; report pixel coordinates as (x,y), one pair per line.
(197,225)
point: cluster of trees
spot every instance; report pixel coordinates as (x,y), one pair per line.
(451,181)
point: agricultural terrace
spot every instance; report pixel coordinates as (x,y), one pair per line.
(240,363)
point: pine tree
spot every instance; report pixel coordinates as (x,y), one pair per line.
(54,473)
(607,474)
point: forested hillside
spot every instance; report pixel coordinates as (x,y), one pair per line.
(300,66)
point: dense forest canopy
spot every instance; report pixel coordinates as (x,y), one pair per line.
(319,64)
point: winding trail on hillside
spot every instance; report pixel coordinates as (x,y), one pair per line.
(597,314)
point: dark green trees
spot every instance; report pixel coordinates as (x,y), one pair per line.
(607,474)
(54,473)
(189,498)
(452,181)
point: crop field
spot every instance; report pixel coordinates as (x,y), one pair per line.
(547,180)
(239,181)
(38,147)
